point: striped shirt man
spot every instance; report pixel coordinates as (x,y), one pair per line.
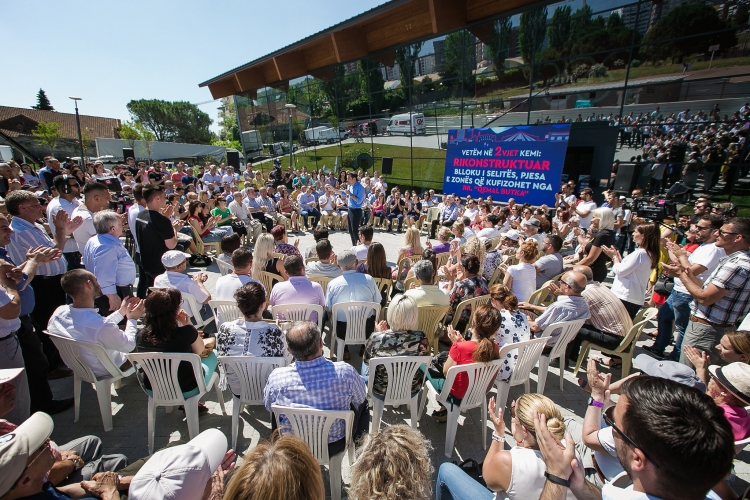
(608,315)
(27,235)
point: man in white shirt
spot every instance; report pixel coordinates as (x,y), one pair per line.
(489,230)
(242,260)
(81,321)
(325,267)
(702,262)
(239,210)
(566,197)
(67,199)
(426,294)
(329,215)
(175,263)
(585,209)
(211,177)
(365,240)
(96,198)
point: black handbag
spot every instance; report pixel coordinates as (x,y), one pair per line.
(436,365)
(664,285)
(198,260)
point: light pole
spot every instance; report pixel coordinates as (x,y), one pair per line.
(78,126)
(290,107)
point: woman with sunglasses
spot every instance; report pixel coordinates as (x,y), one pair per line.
(126,178)
(517,473)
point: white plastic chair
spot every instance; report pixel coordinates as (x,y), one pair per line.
(480,376)
(298,312)
(224,267)
(432,214)
(252,372)
(401,371)
(529,352)
(312,426)
(224,311)
(161,370)
(565,337)
(190,305)
(356,318)
(70,351)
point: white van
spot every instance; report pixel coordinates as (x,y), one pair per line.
(6,153)
(407,124)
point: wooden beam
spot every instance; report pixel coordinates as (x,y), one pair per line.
(239,85)
(450,15)
(433,18)
(276,65)
(291,65)
(335,48)
(319,54)
(251,79)
(351,44)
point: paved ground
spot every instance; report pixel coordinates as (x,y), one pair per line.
(130,405)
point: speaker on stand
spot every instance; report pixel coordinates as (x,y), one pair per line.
(233,159)
(387,166)
(128,153)
(627,178)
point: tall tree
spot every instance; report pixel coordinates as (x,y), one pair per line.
(460,62)
(497,49)
(580,21)
(614,20)
(371,83)
(47,134)
(559,28)
(172,121)
(687,21)
(129,132)
(42,102)
(531,32)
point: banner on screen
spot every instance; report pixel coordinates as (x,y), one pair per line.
(522,162)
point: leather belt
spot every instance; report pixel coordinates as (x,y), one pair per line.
(696,319)
(597,469)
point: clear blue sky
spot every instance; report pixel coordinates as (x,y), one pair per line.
(110,52)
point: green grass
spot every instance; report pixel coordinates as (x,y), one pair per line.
(422,168)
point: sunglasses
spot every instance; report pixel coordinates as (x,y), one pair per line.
(609,422)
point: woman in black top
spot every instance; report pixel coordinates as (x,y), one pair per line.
(167,328)
(604,220)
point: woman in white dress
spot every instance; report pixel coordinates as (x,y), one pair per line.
(514,327)
(521,277)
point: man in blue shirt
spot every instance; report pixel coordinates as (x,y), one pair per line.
(448,214)
(189,179)
(308,207)
(355,193)
(49,172)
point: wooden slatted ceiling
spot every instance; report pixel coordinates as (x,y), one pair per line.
(375,33)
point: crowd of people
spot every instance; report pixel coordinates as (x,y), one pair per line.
(65,269)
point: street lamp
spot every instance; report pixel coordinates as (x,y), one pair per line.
(290,107)
(78,126)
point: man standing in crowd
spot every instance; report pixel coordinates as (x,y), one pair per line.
(551,264)
(314,381)
(355,194)
(79,321)
(96,198)
(106,258)
(67,199)
(31,353)
(585,209)
(135,209)
(724,299)
(155,234)
(702,262)
(49,172)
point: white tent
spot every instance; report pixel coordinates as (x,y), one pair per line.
(159,150)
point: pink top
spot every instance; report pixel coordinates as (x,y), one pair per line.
(738,419)
(298,290)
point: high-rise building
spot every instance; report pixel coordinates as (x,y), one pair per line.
(663,8)
(631,16)
(426,65)
(439,48)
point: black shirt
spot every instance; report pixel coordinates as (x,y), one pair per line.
(180,342)
(151,231)
(602,238)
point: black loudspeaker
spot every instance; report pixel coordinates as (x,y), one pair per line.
(627,177)
(387,166)
(128,153)
(233,159)
(677,153)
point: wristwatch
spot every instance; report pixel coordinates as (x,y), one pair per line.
(594,402)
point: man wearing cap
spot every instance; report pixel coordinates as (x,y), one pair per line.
(106,257)
(314,381)
(80,321)
(175,263)
(27,455)
(723,299)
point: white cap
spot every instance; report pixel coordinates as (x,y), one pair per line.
(512,234)
(180,472)
(9,374)
(174,258)
(16,446)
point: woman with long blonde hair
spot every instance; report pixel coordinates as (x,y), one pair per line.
(262,259)
(411,247)
(518,472)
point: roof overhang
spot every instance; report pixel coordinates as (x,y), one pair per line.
(375,33)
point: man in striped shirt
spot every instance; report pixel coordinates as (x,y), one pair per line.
(609,321)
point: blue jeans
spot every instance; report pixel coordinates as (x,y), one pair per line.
(311,213)
(676,309)
(453,483)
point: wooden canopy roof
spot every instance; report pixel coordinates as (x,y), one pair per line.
(375,33)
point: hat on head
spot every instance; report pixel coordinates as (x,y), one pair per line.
(670,370)
(180,471)
(174,258)
(534,222)
(16,446)
(735,377)
(9,374)
(512,234)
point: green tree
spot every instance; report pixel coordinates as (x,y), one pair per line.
(87,138)
(406,57)
(47,134)
(580,21)
(129,132)
(338,91)
(371,83)
(42,102)
(614,21)
(178,121)
(147,139)
(460,62)
(688,20)
(497,49)
(559,28)
(532,28)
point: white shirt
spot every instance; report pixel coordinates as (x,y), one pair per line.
(361,251)
(84,233)
(53,207)
(209,178)
(133,212)
(487,234)
(539,238)
(327,202)
(228,284)
(524,280)
(631,277)
(183,283)
(708,255)
(586,206)
(87,325)
(239,210)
